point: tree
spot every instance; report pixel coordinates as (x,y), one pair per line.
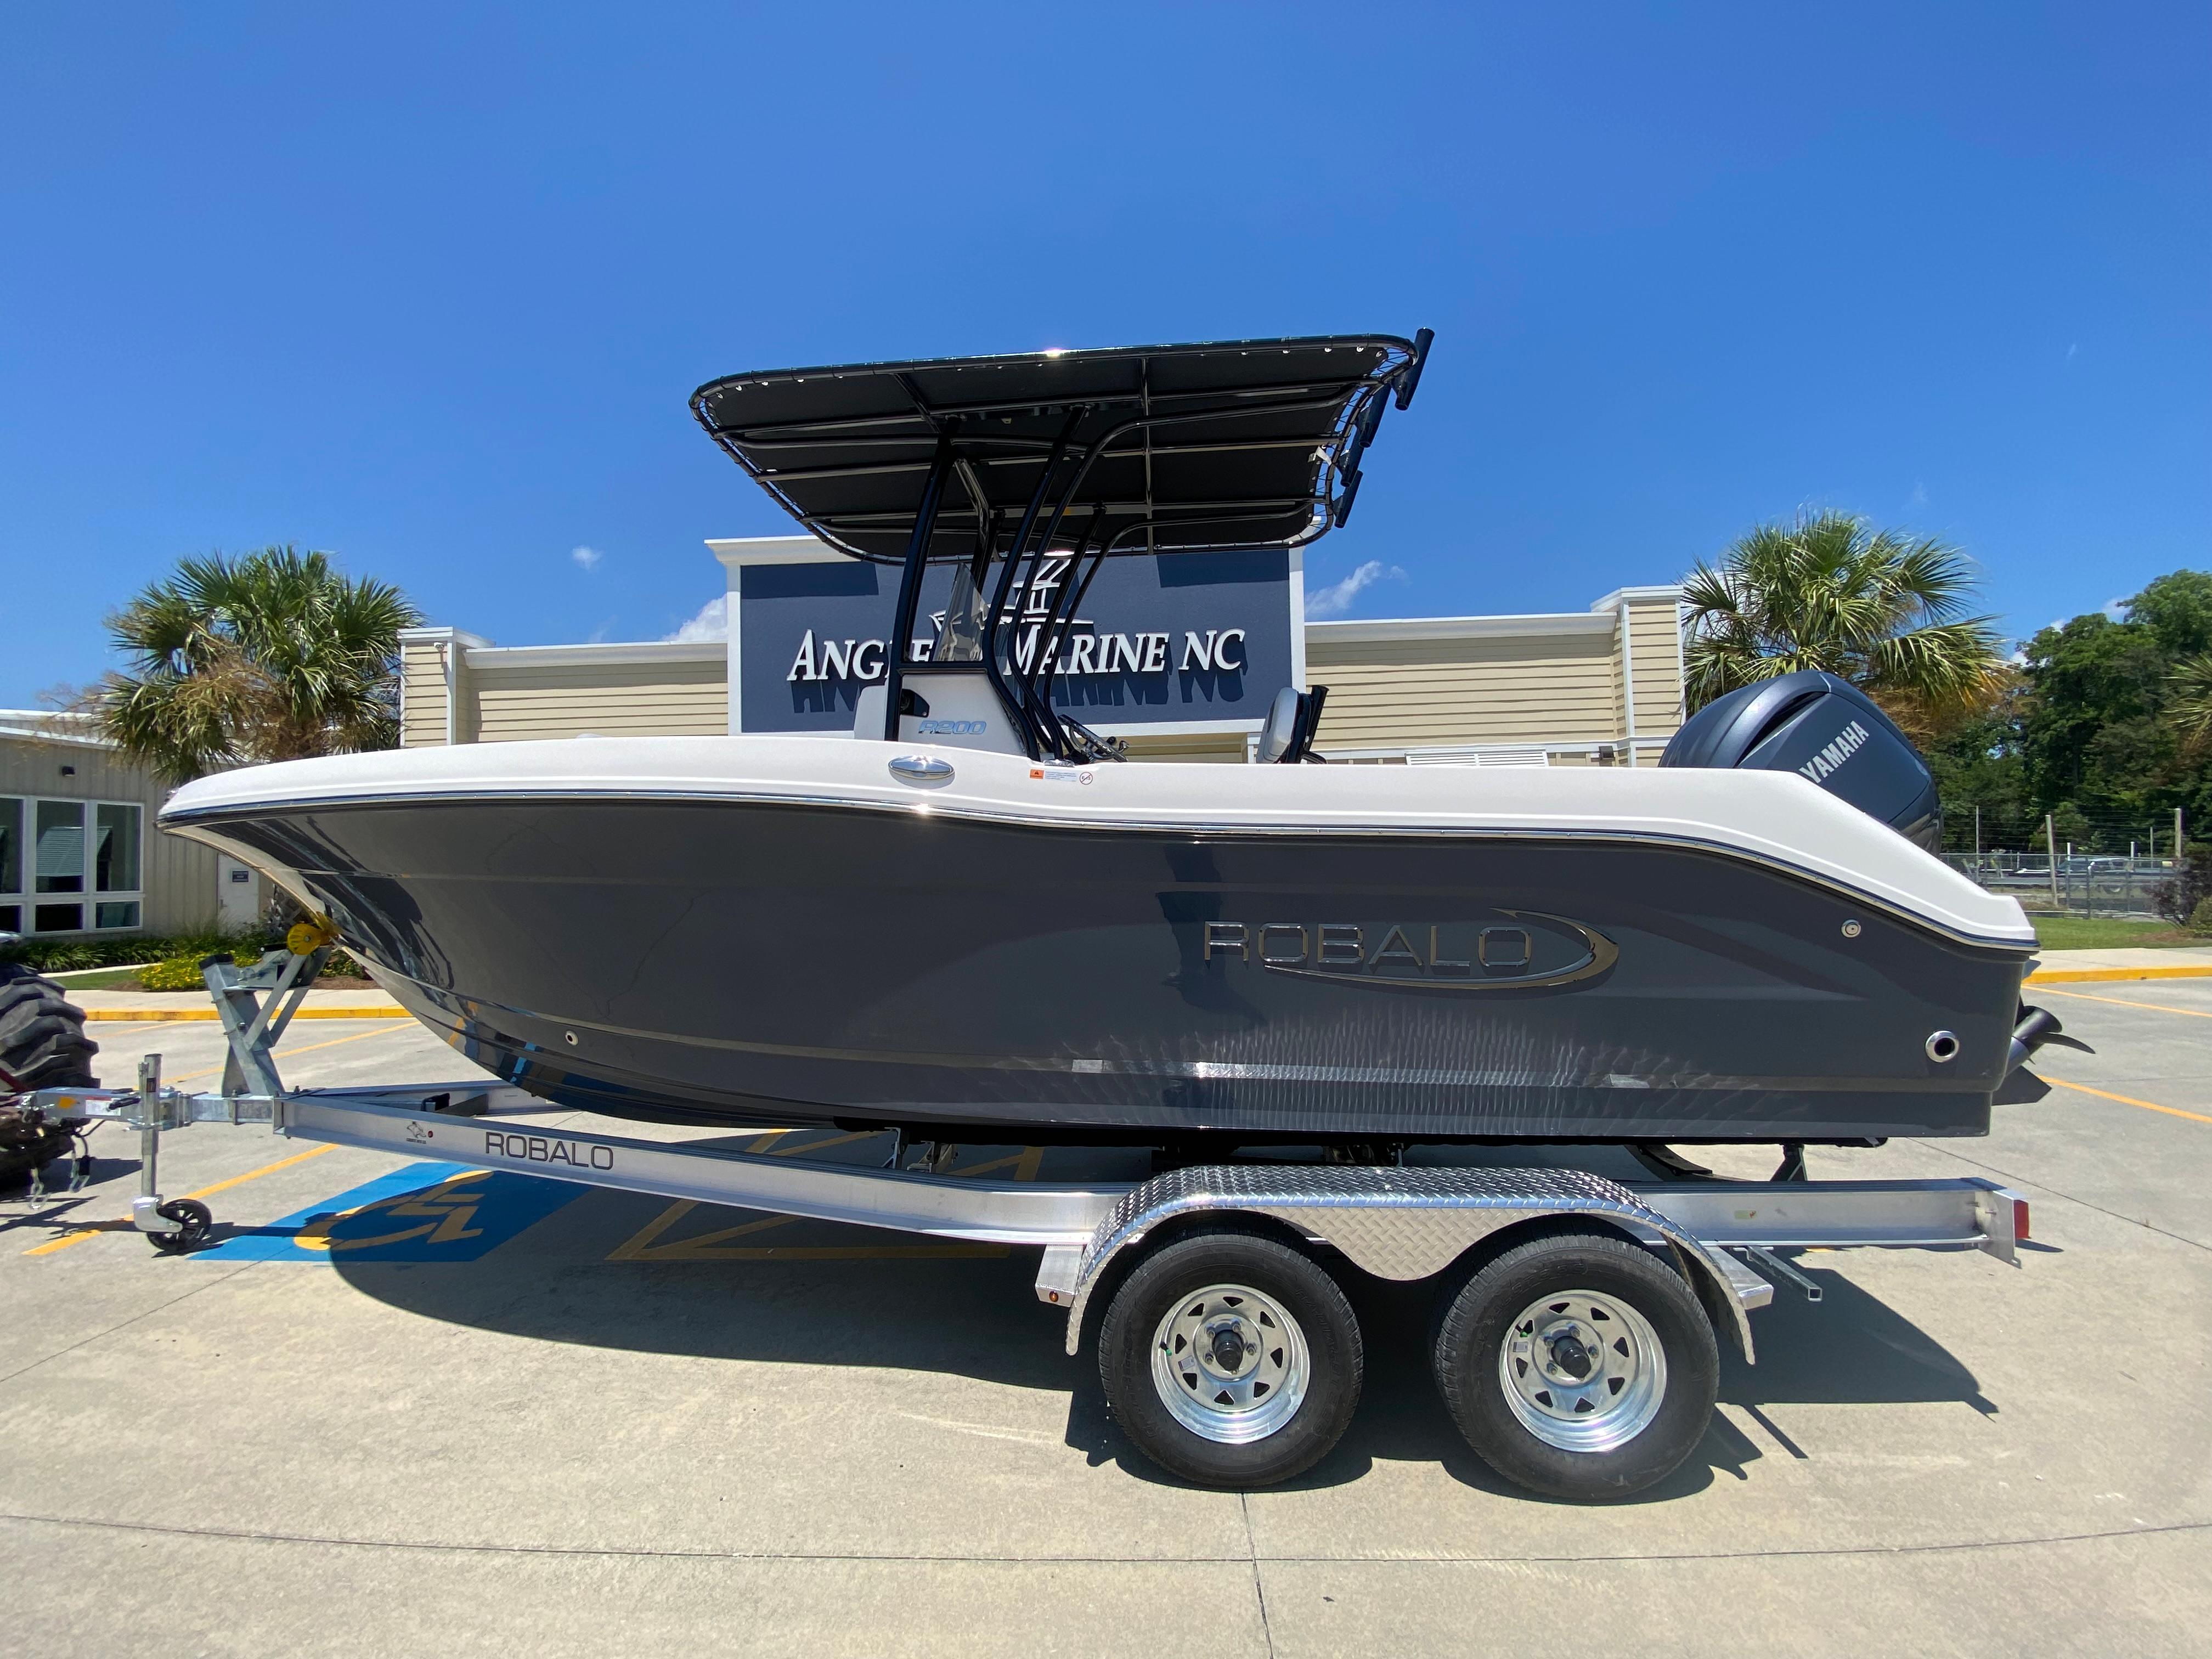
(2106,724)
(270,656)
(1982,779)
(1829,590)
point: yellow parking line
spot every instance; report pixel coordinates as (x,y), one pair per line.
(825,1145)
(2084,976)
(2124,1100)
(644,1245)
(171,1016)
(124,1225)
(285,1054)
(80,1235)
(256,1175)
(2123,1002)
(861,1252)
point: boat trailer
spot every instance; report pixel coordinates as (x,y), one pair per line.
(1575,1366)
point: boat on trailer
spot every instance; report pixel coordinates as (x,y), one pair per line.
(971,921)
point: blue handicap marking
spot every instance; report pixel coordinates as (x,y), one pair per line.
(421,1213)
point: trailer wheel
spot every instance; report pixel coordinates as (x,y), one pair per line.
(1231,1359)
(194,1220)
(1578,1366)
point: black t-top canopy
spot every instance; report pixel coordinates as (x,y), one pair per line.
(1247,443)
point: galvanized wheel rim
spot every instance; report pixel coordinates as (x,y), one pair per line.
(1582,1371)
(1229,1364)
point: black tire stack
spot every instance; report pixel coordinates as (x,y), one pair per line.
(43,1045)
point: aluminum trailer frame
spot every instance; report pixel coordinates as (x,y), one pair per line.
(1568,1397)
(1396,1223)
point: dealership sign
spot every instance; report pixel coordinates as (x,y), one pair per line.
(1184,638)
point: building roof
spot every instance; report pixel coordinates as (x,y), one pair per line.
(51,725)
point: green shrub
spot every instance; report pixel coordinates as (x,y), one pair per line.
(177,974)
(2200,918)
(66,956)
(63,956)
(2181,897)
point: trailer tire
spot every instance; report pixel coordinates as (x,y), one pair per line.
(43,1045)
(1578,1366)
(42,1038)
(1231,1359)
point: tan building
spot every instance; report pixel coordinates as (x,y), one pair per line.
(79,855)
(1601,686)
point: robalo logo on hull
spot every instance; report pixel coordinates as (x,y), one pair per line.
(1523,950)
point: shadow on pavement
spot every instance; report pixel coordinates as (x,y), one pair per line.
(978,1317)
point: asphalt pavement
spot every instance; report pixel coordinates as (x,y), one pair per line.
(413,1408)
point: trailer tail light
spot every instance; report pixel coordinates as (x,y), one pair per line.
(2020,1233)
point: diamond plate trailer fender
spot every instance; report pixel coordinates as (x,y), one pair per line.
(1397,1223)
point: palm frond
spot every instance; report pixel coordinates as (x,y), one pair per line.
(1829,590)
(271,656)
(2189,706)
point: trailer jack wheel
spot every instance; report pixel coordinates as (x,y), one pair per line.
(194,1220)
(1579,1366)
(1231,1359)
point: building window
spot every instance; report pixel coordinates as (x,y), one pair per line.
(11,845)
(52,850)
(115,850)
(60,842)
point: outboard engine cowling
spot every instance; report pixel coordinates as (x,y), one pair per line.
(1827,730)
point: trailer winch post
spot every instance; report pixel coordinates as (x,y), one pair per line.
(256,1003)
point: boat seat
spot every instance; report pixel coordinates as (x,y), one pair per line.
(1294,717)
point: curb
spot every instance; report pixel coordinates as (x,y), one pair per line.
(138,1016)
(2094,976)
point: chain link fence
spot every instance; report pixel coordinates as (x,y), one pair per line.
(2068,863)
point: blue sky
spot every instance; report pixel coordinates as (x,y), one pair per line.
(428,289)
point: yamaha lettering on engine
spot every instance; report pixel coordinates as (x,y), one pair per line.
(1824,729)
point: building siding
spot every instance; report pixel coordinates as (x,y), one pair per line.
(658,699)
(422,695)
(1655,649)
(177,877)
(1440,692)
(1559,685)
(1215,747)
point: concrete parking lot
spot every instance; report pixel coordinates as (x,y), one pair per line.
(478,1414)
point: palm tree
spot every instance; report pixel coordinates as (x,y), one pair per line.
(1828,591)
(270,656)
(2189,712)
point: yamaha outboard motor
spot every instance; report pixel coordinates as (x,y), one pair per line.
(1829,731)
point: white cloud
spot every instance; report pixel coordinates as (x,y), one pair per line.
(2072,350)
(1337,597)
(587,558)
(2118,609)
(1918,497)
(713,622)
